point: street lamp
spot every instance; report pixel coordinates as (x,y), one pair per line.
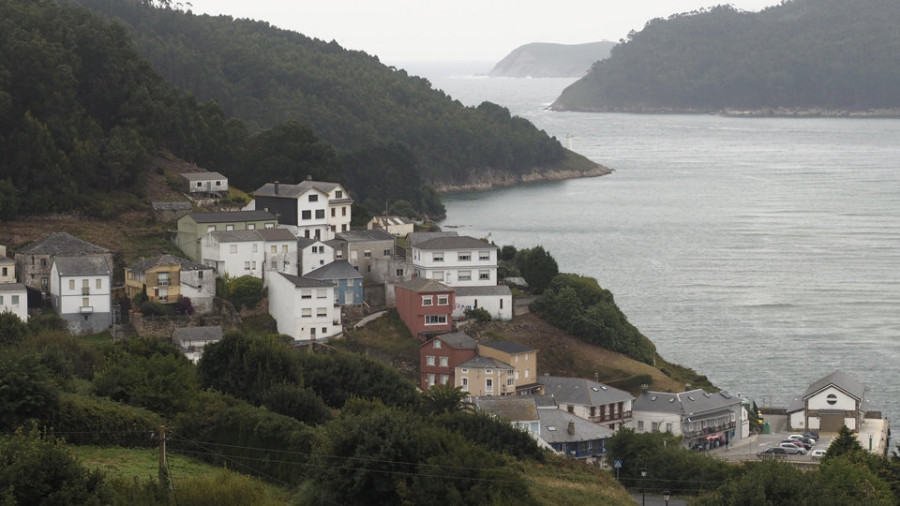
(643,487)
(666,495)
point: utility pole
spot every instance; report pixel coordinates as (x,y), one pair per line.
(163,463)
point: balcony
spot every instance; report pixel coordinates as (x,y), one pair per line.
(163,282)
(614,417)
(710,429)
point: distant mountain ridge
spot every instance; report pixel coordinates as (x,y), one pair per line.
(823,57)
(543,59)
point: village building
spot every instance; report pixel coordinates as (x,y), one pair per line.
(318,209)
(590,400)
(193,227)
(398,226)
(33,262)
(7,268)
(829,403)
(254,253)
(204,182)
(438,358)
(496,300)
(314,253)
(165,278)
(80,292)
(362,247)
(347,282)
(14,299)
(455,260)
(425,306)
(304,308)
(485,376)
(192,340)
(698,416)
(523,360)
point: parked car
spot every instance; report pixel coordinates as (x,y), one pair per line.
(811,434)
(772,453)
(792,449)
(818,453)
(799,442)
(800,437)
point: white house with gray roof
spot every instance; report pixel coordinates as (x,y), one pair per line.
(304,308)
(204,182)
(192,340)
(33,262)
(833,401)
(496,300)
(319,209)
(347,281)
(697,415)
(313,253)
(193,227)
(455,260)
(251,252)
(80,292)
(572,435)
(590,400)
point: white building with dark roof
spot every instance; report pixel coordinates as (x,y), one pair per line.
(319,209)
(80,292)
(193,227)
(304,308)
(496,300)
(347,281)
(14,299)
(313,253)
(455,260)
(192,340)
(7,269)
(204,182)
(835,400)
(697,415)
(33,262)
(254,253)
(590,400)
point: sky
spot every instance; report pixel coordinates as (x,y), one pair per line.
(458,30)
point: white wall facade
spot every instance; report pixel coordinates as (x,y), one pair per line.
(457,267)
(199,285)
(314,256)
(280,256)
(340,213)
(643,421)
(305,314)
(14,299)
(83,301)
(500,307)
(823,400)
(235,259)
(313,215)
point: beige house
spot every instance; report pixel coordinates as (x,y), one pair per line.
(484,376)
(522,358)
(397,226)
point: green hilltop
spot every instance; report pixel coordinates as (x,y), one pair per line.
(802,56)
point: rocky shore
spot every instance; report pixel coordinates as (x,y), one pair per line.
(490,180)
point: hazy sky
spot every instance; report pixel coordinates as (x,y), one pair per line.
(485,30)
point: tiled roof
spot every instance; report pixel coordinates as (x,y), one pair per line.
(582,391)
(425,285)
(509,347)
(457,340)
(415,238)
(365,236)
(460,242)
(148,263)
(231,216)
(62,243)
(200,176)
(684,403)
(236,236)
(82,266)
(339,269)
(482,362)
(555,427)
(295,190)
(842,381)
(305,282)
(474,291)
(277,234)
(12,287)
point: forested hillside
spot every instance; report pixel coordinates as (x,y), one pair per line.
(544,59)
(834,56)
(265,76)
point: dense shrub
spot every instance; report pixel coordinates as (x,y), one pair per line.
(98,421)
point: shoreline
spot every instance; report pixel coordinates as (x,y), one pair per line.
(492,182)
(764,112)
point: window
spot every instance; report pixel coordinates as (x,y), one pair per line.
(85,302)
(570,408)
(510,382)
(246,266)
(162,279)
(210,228)
(274,264)
(305,294)
(435,319)
(321,312)
(284,248)
(367,253)
(218,183)
(270,226)
(306,215)
(443,362)
(429,360)
(465,275)
(527,372)
(320,214)
(489,371)
(465,256)
(251,226)
(443,300)
(71,284)
(427,300)
(437,344)
(437,256)
(465,384)
(255,248)
(14,300)
(306,312)
(200,274)
(333,212)
(44,260)
(431,380)
(338,194)
(484,275)
(273,249)
(254,264)
(445,379)
(232,248)
(199,184)
(400,272)
(489,385)
(5,271)
(339,254)
(313,198)
(99,284)
(640,425)
(344,213)
(654,427)
(321,293)
(484,255)
(437,275)
(387,252)
(831,399)
(229,227)
(669,427)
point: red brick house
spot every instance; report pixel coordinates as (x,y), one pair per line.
(439,356)
(425,306)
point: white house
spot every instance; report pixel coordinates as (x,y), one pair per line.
(7,269)
(250,252)
(833,401)
(454,260)
(304,308)
(319,209)
(699,416)
(591,400)
(496,300)
(313,254)
(14,299)
(205,182)
(192,340)
(80,292)
(395,225)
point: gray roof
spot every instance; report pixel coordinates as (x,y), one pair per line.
(480,362)
(6,260)
(82,266)
(555,427)
(386,221)
(236,235)
(416,237)
(295,190)
(460,242)
(210,333)
(365,236)
(305,282)
(339,269)
(231,216)
(148,263)
(276,234)
(509,347)
(457,340)
(62,243)
(200,176)
(841,381)
(335,243)
(474,291)
(685,403)
(512,408)
(583,392)
(425,285)
(12,287)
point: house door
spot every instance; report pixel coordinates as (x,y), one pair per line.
(312,333)
(348,297)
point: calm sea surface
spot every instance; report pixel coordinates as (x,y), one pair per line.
(760,252)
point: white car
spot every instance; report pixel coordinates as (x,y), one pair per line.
(817,453)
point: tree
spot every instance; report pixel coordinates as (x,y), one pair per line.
(12,329)
(245,291)
(537,267)
(845,443)
(25,390)
(444,399)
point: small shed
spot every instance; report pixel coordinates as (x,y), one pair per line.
(204,182)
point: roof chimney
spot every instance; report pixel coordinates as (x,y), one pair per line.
(687,387)
(571,428)
(276,187)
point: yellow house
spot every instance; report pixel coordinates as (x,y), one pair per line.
(522,358)
(167,277)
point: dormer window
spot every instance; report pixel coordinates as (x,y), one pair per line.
(338,194)
(313,198)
